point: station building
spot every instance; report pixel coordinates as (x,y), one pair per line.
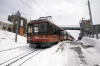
(87,25)
(21,25)
(4,25)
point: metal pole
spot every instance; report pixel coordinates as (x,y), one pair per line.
(89,33)
(90,19)
(83,25)
(17,15)
(96,32)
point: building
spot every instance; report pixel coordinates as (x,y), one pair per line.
(4,25)
(86,24)
(97,27)
(21,25)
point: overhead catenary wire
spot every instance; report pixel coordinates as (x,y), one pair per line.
(12,8)
(3,13)
(85,12)
(8,6)
(36,11)
(68,15)
(41,7)
(6,11)
(30,7)
(68,8)
(11,12)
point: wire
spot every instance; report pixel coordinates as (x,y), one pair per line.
(10,12)
(68,8)
(30,8)
(7,11)
(41,7)
(85,12)
(68,15)
(3,13)
(8,6)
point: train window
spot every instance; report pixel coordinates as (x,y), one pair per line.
(36,29)
(42,27)
(29,29)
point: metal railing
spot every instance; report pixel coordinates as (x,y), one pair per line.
(68,25)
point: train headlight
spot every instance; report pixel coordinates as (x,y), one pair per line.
(29,37)
(44,36)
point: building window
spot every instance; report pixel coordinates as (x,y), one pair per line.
(21,22)
(3,28)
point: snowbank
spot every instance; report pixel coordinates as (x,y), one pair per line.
(9,37)
(92,41)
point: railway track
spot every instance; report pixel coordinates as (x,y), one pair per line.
(19,57)
(29,58)
(12,48)
(14,57)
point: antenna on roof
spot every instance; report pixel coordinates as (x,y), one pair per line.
(42,18)
(49,17)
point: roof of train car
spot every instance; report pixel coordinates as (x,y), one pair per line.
(42,21)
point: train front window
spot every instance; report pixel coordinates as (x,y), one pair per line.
(36,29)
(40,27)
(29,29)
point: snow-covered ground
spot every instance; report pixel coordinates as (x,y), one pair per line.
(66,53)
(91,41)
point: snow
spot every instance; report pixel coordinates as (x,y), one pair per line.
(8,22)
(66,53)
(9,38)
(92,41)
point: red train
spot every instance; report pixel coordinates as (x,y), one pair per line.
(43,33)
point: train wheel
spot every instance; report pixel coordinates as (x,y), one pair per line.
(32,45)
(38,45)
(55,42)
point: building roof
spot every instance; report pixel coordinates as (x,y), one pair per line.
(6,22)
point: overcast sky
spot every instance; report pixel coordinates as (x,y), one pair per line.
(64,12)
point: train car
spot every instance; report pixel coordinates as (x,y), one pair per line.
(43,33)
(69,37)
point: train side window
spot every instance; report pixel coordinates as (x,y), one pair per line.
(50,28)
(36,29)
(53,29)
(29,29)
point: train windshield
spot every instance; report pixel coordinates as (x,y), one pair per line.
(30,29)
(40,27)
(37,29)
